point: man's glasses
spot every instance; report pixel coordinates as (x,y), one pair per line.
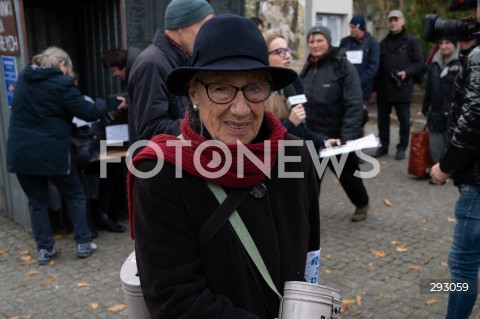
(281,52)
(222,93)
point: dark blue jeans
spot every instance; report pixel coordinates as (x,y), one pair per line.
(36,189)
(464,255)
(403,114)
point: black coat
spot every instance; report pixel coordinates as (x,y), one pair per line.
(179,281)
(334,96)
(438,96)
(462,153)
(153,109)
(398,52)
(39,135)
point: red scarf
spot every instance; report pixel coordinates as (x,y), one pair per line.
(252,174)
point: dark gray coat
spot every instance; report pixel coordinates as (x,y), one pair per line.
(334,95)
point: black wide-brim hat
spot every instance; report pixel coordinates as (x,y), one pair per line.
(228,43)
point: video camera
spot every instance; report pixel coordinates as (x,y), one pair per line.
(435,27)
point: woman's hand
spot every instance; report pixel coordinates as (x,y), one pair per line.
(332,142)
(297,114)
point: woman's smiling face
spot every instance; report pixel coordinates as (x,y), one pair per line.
(238,119)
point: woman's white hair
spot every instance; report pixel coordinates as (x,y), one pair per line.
(52,58)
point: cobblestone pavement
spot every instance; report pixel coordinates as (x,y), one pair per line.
(377,264)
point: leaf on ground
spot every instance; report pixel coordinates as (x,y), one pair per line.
(328,256)
(444,264)
(347,303)
(58,236)
(394,242)
(25,258)
(83,284)
(328,271)
(415,267)
(94,305)
(378,253)
(16,317)
(32,273)
(431,302)
(2,252)
(401,249)
(52,263)
(356,313)
(387,202)
(359,300)
(24,252)
(451,219)
(117,307)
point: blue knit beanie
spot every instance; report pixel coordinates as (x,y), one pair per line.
(183,13)
(359,22)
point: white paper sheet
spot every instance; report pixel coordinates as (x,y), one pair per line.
(369,141)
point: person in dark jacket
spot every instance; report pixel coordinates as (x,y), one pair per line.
(334,106)
(153,109)
(363,51)
(119,62)
(438,96)
(292,116)
(39,146)
(400,58)
(461,161)
(181,275)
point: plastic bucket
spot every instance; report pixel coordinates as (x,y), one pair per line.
(303,300)
(132,291)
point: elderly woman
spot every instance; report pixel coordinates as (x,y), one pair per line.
(187,268)
(39,147)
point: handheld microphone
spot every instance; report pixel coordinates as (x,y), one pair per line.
(295,99)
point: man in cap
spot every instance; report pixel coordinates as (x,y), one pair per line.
(153,109)
(401,57)
(363,51)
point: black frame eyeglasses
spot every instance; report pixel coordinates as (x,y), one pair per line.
(281,52)
(222,93)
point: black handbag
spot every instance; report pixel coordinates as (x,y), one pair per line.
(85,141)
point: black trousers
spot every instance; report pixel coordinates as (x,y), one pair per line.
(353,186)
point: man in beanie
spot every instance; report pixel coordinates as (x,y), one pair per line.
(334,107)
(153,109)
(401,58)
(363,51)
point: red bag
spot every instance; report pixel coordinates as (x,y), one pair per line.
(420,160)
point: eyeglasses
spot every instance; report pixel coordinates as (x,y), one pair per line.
(222,93)
(281,52)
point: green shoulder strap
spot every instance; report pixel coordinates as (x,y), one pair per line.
(246,239)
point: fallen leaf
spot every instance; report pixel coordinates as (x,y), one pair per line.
(394,242)
(32,273)
(16,317)
(58,236)
(25,258)
(83,284)
(431,302)
(356,313)
(347,303)
(94,305)
(451,219)
(52,263)
(444,264)
(328,271)
(415,267)
(401,249)
(378,253)
(116,308)
(328,256)
(2,252)
(388,202)
(24,252)
(359,300)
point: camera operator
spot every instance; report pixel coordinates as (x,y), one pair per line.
(400,58)
(461,161)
